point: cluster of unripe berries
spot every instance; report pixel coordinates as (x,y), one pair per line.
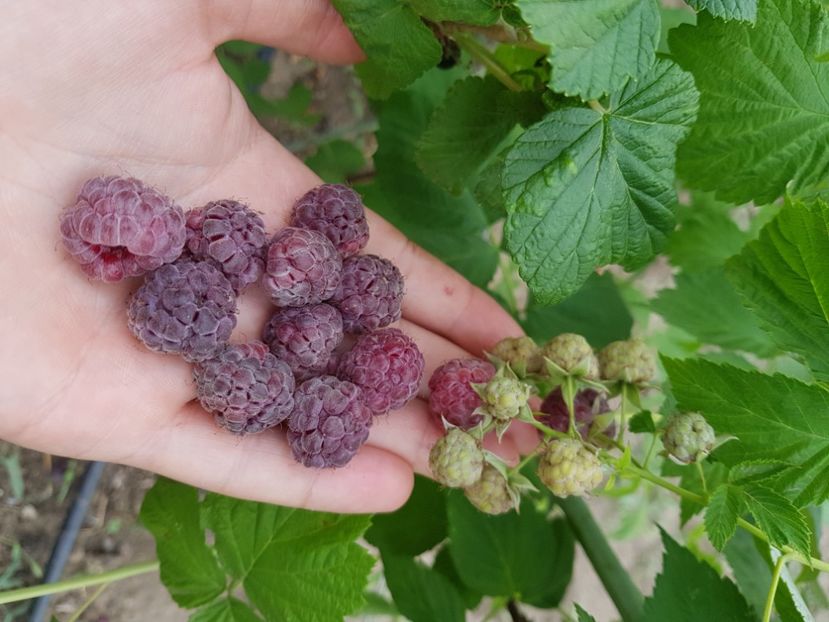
(306,372)
(470,397)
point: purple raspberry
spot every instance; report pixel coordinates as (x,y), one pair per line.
(246,388)
(370,295)
(387,365)
(329,422)
(303,268)
(187,307)
(232,235)
(588,404)
(452,396)
(337,212)
(119,227)
(305,337)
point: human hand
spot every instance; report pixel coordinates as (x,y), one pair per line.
(92,88)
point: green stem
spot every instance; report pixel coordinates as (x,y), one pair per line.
(485,57)
(614,577)
(775,580)
(79,612)
(623,415)
(701,472)
(547,432)
(525,460)
(74,583)
(649,454)
(596,106)
(655,479)
(813,562)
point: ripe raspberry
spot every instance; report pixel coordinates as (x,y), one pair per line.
(456,459)
(490,494)
(246,388)
(329,422)
(232,235)
(504,396)
(587,405)
(688,437)
(520,353)
(387,365)
(370,295)
(337,212)
(186,307)
(119,227)
(452,395)
(569,468)
(573,354)
(303,268)
(628,361)
(304,337)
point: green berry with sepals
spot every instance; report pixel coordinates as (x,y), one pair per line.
(491,493)
(456,459)
(630,361)
(570,354)
(567,467)
(520,353)
(688,437)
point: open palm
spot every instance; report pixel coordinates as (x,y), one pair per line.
(93,87)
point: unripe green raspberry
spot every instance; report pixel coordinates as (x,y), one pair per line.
(567,468)
(630,361)
(490,494)
(688,437)
(573,354)
(520,353)
(456,459)
(504,396)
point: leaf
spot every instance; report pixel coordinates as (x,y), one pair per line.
(725,507)
(782,277)
(499,555)
(294,564)
(596,311)
(642,422)
(420,593)
(585,188)
(336,160)
(399,46)
(596,45)
(225,610)
(744,10)
(776,419)
(784,524)
(475,12)
(706,305)
(416,527)
(445,566)
(583,616)
(764,113)
(189,571)
(476,116)
(671,18)
(711,597)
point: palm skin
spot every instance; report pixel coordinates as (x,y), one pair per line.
(91,88)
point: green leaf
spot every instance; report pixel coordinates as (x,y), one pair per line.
(446,566)
(706,305)
(583,616)
(399,46)
(642,422)
(764,115)
(596,311)
(688,590)
(416,527)
(596,45)
(776,419)
(190,572)
(420,593)
(499,555)
(725,507)
(475,12)
(294,564)
(745,10)
(225,610)
(336,160)
(585,188)
(671,18)
(784,524)
(476,116)
(782,277)
(715,474)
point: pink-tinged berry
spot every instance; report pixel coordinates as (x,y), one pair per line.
(245,387)
(186,307)
(370,295)
(232,235)
(302,268)
(337,212)
(587,404)
(305,337)
(119,228)
(329,422)
(387,365)
(452,396)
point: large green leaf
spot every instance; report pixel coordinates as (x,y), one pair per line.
(781,423)
(784,524)
(745,10)
(420,593)
(335,160)
(189,570)
(764,113)
(596,46)
(225,610)
(585,188)
(476,12)
(784,277)
(725,507)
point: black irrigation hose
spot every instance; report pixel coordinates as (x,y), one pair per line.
(67,536)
